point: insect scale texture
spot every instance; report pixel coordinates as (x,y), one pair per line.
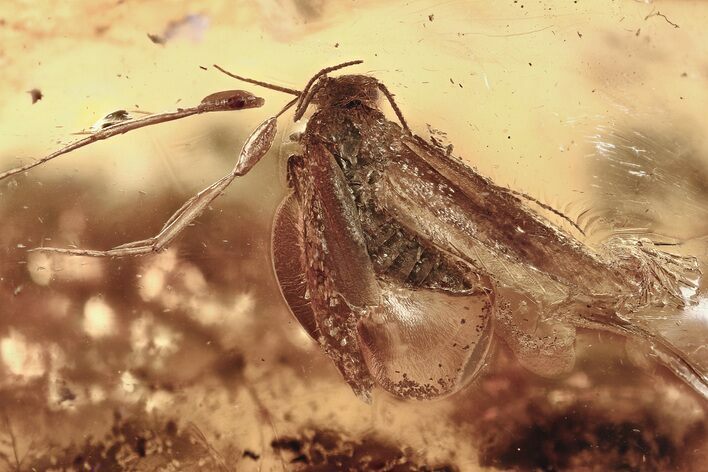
(404,264)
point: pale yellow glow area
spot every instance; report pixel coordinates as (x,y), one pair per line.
(99,318)
(21,357)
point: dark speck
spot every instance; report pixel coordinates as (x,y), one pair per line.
(251,455)
(36,95)
(156,39)
(289,444)
(171,428)
(140,446)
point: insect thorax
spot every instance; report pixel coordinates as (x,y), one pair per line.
(364,143)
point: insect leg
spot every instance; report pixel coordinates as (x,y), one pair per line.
(181,210)
(253,150)
(220,101)
(142,242)
(389,96)
(192,200)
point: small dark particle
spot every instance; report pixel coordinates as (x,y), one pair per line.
(530,65)
(36,95)
(463,321)
(66,395)
(171,428)
(251,455)
(580,35)
(684,74)
(141,446)
(638,31)
(431,17)
(156,39)
(203,68)
(336,45)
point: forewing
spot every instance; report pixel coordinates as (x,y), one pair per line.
(440,210)
(333,233)
(339,276)
(471,217)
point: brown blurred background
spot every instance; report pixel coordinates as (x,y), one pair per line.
(189,360)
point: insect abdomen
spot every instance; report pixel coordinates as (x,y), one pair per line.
(404,258)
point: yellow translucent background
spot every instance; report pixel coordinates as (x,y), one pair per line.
(528,92)
(544,74)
